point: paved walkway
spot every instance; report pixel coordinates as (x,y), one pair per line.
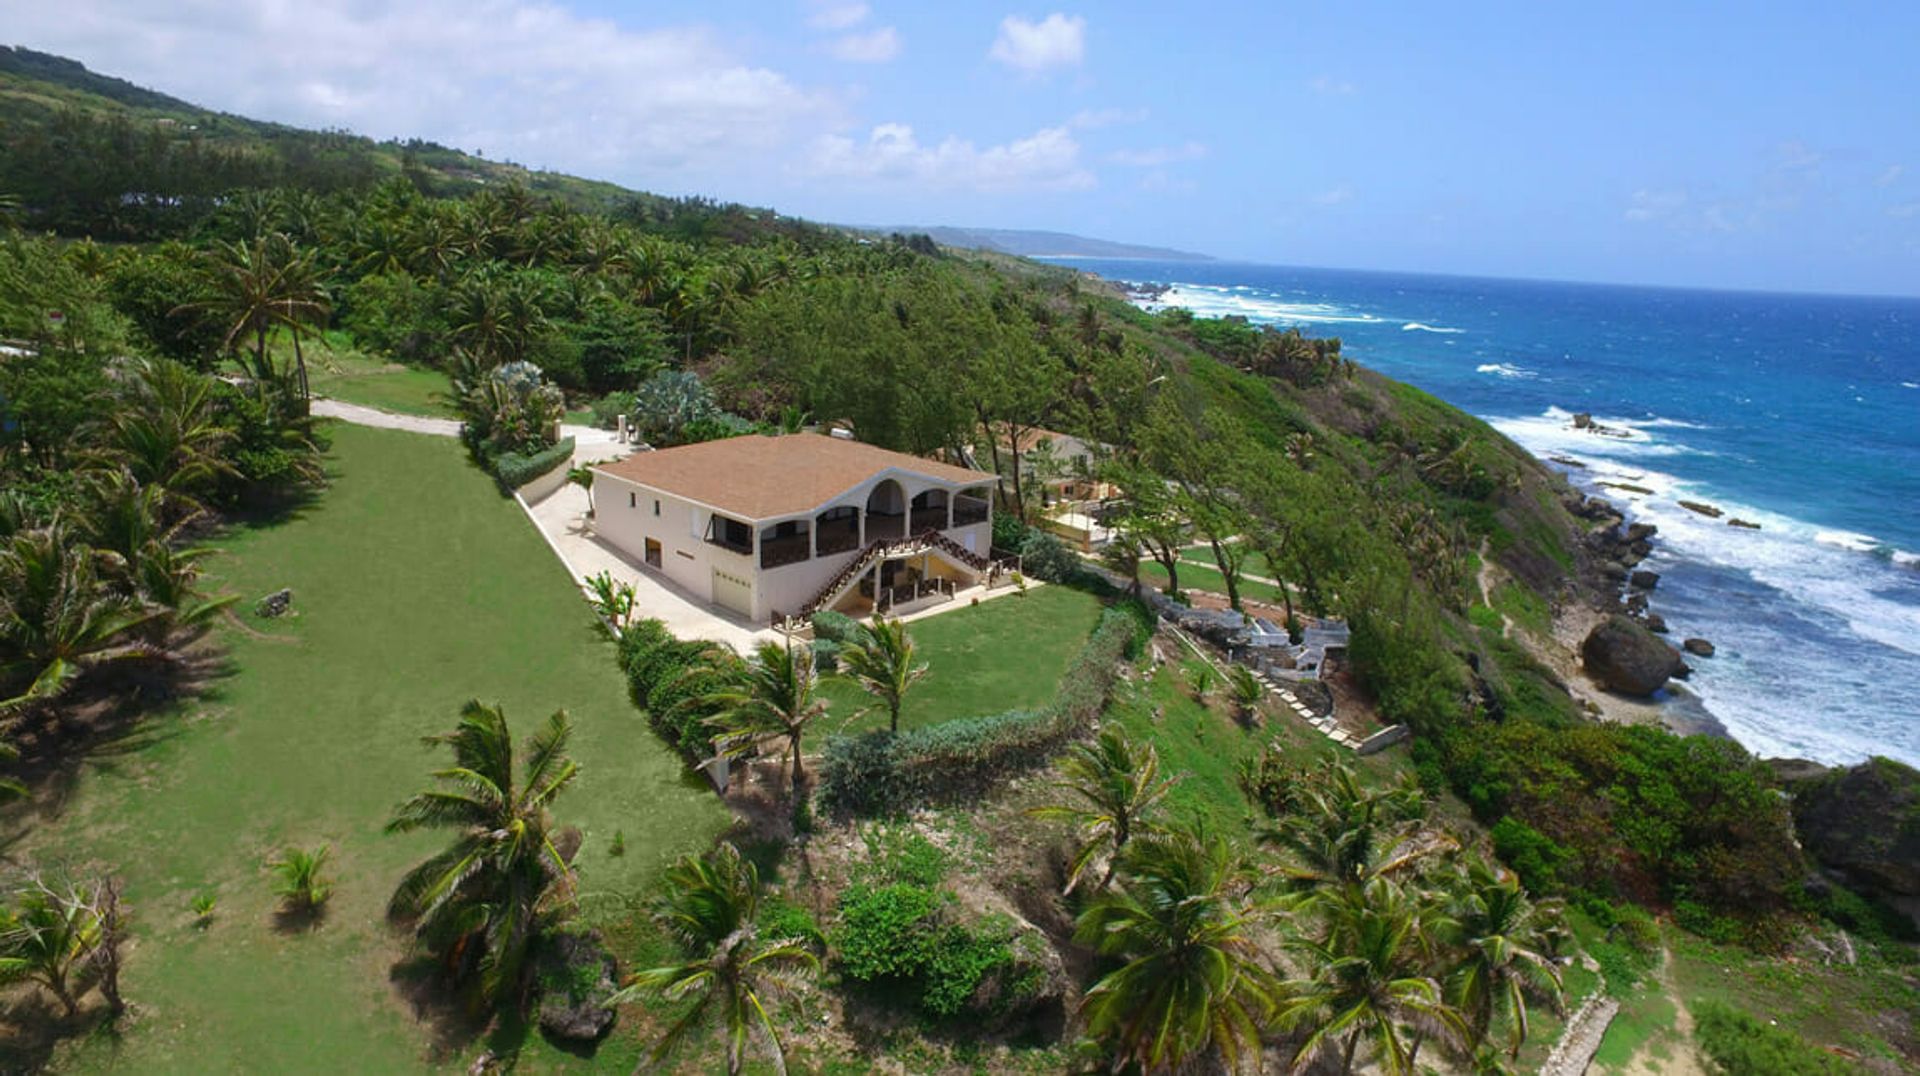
(591,444)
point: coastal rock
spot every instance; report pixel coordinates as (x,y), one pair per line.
(1615,571)
(1583,421)
(1645,580)
(1865,823)
(1656,623)
(1736,521)
(1704,509)
(1789,771)
(1636,604)
(576,976)
(1698,647)
(1628,487)
(1625,657)
(1640,532)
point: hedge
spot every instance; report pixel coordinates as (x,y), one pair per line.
(656,665)
(882,772)
(515,469)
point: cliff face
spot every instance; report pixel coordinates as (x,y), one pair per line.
(1865,823)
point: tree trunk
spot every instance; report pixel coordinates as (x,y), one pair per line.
(893,714)
(1229,573)
(1169,558)
(1413,1055)
(799,771)
(300,365)
(1353,1045)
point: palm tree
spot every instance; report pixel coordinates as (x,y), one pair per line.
(262,284)
(10,789)
(1345,834)
(1367,983)
(1190,980)
(1504,940)
(167,433)
(1246,691)
(58,618)
(773,695)
(882,664)
(731,970)
(481,903)
(298,881)
(1113,788)
(46,937)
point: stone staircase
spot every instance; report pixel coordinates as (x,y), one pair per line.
(927,541)
(1324,723)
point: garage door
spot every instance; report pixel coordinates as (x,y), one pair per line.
(733,592)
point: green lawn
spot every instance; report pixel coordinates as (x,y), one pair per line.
(416,586)
(1003,654)
(353,377)
(1196,576)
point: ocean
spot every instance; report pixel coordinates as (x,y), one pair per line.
(1797,412)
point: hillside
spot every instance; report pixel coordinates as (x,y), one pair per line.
(1040,244)
(212,273)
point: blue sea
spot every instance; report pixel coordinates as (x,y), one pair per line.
(1797,412)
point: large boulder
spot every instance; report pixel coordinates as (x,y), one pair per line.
(1625,657)
(576,975)
(1865,823)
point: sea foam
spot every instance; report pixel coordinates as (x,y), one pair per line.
(1504,369)
(1414,326)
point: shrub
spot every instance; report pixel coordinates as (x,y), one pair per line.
(1741,1045)
(784,919)
(1535,857)
(826,656)
(1045,557)
(1008,532)
(885,932)
(655,664)
(900,855)
(514,469)
(960,958)
(608,409)
(835,627)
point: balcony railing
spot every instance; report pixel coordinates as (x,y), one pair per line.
(967,511)
(732,547)
(929,519)
(791,549)
(883,526)
(837,538)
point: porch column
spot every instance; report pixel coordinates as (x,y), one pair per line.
(860,526)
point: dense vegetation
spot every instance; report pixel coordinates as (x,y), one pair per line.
(152,387)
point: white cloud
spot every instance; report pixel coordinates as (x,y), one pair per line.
(1795,155)
(1904,210)
(874,47)
(1092,119)
(1651,204)
(1337,196)
(1048,159)
(522,79)
(1055,41)
(831,16)
(1157,156)
(1330,85)
(1891,176)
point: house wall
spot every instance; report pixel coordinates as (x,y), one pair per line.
(623,515)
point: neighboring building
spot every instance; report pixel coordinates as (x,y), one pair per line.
(1073,465)
(782,526)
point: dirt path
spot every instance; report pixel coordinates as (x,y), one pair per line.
(1671,1052)
(1487,583)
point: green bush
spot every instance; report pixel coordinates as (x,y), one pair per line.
(655,664)
(1535,857)
(900,855)
(608,409)
(880,772)
(826,656)
(885,932)
(960,958)
(1045,557)
(1009,534)
(515,469)
(1740,1045)
(785,919)
(835,627)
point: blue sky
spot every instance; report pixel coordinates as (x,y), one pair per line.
(1736,145)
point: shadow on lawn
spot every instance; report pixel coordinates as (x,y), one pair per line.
(32,1025)
(455,1025)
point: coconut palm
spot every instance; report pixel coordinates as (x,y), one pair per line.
(48,937)
(1367,982)
(731,970)
(881,662)
(1504,940)
(1246,691)
(262,284)
(167,433)
(1345,834)
(58,618)
(1113,788)
(298,880)
(1190,980)
(10,789)
(481,903)
(773,695)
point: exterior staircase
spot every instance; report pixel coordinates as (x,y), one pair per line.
(927,541)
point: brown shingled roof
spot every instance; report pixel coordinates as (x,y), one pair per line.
(759,477)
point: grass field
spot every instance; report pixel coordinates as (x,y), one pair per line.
(415,587)
(1201,576)
(356,378)
(1004,654)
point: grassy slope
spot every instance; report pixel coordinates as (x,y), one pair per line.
(417,586)
(354,377)
(1004,654)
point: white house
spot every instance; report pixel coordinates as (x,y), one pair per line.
(778,527)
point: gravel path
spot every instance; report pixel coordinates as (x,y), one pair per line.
(1581,1040)
(591,444)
